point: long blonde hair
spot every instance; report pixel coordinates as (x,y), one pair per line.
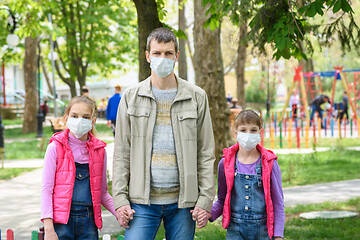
(88,101)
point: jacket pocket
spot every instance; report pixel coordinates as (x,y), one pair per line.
(187,125)
(139,120)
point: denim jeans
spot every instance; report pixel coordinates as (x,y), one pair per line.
(248,209)
(81,224)
(247,229)
(178,222)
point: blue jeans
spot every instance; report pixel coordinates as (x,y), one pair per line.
(313,110)
(178,222)
(248,209)
(247,229)
(81,224)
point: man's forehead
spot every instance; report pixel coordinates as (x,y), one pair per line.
(161,46)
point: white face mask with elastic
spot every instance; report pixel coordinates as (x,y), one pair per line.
(162,66)
(79,126)
(248,140)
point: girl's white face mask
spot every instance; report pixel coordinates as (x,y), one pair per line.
(79,126)
(162,66)
(248,140)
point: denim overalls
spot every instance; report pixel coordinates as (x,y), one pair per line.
(81,224)
(248,208)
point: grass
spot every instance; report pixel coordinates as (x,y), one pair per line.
(342,228)
(32,147)
(320,142)
(319,167)
(16,121)
(297,228)
(8,173)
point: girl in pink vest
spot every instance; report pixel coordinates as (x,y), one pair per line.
(74,177)
(250,195)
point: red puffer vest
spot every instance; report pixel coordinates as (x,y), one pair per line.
(65,176)
(267,160)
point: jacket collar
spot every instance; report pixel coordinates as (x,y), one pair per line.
(183,92)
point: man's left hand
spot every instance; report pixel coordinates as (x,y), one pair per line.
(201,216)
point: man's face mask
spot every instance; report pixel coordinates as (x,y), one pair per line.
(248,140)
(162,66)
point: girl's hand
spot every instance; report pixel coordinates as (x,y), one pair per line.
(201,216)
(51,235)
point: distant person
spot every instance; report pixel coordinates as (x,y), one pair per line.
(44,109)
(294,104)
(250,195)
(112,108)
(102,107)
(74,177)
(345,100)
(229,97)
(234,103)
(316,107)
(85,91)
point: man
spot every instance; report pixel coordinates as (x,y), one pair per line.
(112,108)
(44,108)
(315,106)
(345,101)
(164,150)
(85,91)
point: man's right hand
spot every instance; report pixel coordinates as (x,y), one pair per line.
(124,214)
(108,123)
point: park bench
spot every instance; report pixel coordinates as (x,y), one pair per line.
(57,124)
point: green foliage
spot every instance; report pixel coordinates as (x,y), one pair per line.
(284,26)
(256,92)
(98,38)
(95,37)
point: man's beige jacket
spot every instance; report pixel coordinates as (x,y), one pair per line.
(194,145)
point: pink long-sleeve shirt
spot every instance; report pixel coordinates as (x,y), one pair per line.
(81,155)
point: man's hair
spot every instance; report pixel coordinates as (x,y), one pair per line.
(248,116)
(161,35)
(117,87)
(345,92)
(84,89)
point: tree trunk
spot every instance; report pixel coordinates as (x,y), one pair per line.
(209,75)
(31,96)
(148,20)
(182,26)
(308,67)
(46,75)
(241,61)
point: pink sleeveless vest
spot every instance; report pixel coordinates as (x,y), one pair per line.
(65,176)
(267,159)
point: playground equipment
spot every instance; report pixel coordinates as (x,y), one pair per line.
(297,81)
(315,86)
(296,134)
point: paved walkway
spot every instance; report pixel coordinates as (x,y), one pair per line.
(20,197)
